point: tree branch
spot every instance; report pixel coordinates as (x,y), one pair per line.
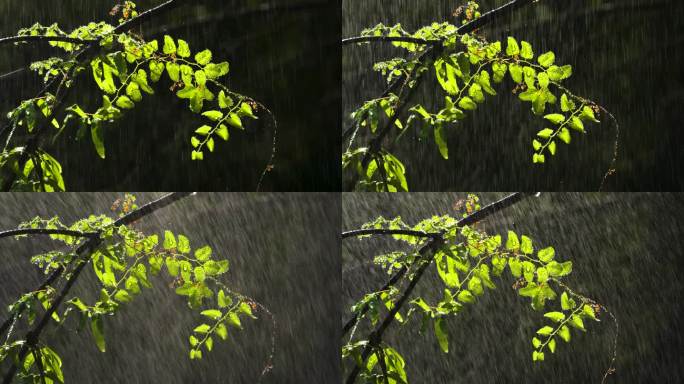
(84,251)
(376,336)
(46,231)
(392,39)
(371,231)
(43,38)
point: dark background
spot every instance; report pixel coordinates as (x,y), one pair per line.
(626,254)
(626,55)
(283,252)
(283,53)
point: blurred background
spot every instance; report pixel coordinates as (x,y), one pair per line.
(626,55)
(626,251)
(282,53)
(283,252)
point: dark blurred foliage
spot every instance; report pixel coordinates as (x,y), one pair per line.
(626,252)
(282,53)
(626,55)
(283,252)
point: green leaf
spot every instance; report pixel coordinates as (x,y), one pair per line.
(196,102)
(133,91)
(552,148)
(536,342)
(97,328)
(234,120)
(246,309)
(499,70)
(203,130)
(124,102)
(183,244)
(564,135)
(210,144)
(203,254)
(200,78)
(537,356)
(222,331)
(576,124)
(466,297)
(223,300)
(545,330)
(467,103)
(555,118)
(546,59)
(545,133)
(512,243)
(526,52)
(215,71)
(204,328)
(169,240)
(234,320)
(512,47)
(169,47)
(588,311)
(195,142)
(199,274)
(173,70)
(222,132)
(566,104)
(530,290)
(204,57)
(183,49)
(209,343)
(172,266)
(224,101)
(213,314)
(246,110)
(122,296)
(577,322)
(516,267)
(132,285)
(440,140)
(441,334)
(516,72)
(552,345)
(97,135)
(536,145)
(213,115)
(197,155)
(543,79)
(588,114)
(555,316)
(538,158)
(546,255)
(564,333)
(567,303)
(193,340)
(526,245)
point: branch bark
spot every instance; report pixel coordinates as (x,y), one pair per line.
(390,39)
(376,336)
(362,232)
(84,251)
(46,231)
